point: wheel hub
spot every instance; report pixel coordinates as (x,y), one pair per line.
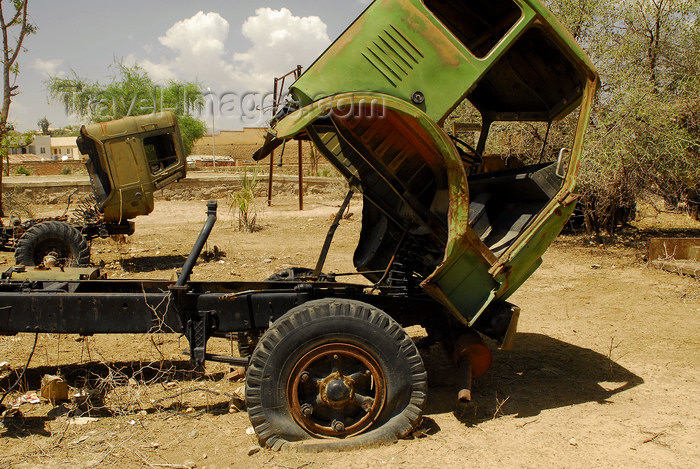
(336,390)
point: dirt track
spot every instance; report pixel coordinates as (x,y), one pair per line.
(605,373)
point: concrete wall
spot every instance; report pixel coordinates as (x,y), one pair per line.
(247,136)
(244,153)
(48,168)
(205,186)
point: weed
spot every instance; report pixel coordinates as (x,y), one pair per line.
(22,171)
(243,201)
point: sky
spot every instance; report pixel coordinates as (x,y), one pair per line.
(234,48)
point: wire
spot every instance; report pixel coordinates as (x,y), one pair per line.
(19,380)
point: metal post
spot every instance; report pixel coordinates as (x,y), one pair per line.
(213,128)
(269,186)
(213,131)
(301,180)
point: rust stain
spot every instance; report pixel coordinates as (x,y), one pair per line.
(420,23)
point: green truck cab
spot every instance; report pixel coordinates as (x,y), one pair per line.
(375,103)
(130,159)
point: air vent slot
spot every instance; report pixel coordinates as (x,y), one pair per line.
(393,55)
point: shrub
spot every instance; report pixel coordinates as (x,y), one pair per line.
(243,201)
(22,171)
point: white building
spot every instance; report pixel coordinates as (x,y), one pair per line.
(41,146)
(64,148)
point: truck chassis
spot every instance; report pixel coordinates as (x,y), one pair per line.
(347,396)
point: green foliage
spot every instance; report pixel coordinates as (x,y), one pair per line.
(243,200)
(15,140)
(645,130)
(192,130)
(44,125)
(66,171)
(22,171)
(67,131)
(131,92)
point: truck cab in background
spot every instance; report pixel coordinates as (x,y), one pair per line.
(128,160)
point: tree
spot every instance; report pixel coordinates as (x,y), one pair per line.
(130,92)
(192,130)
(44,124)
(644,136)
(67,131)
(14,140)
(18,25)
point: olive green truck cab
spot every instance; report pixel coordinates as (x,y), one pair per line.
(128,161)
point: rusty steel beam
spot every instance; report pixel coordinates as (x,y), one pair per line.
(301,179)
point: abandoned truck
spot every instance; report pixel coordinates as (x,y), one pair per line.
(128,160)
(444,243)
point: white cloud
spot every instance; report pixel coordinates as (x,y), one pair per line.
(202,36)
(197,51)
(281,41)
(49,67)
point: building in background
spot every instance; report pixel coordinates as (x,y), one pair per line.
(64,148)
(41,146)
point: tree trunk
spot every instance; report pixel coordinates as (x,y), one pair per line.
(9,57)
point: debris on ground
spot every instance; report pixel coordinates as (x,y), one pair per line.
(54,388)
(237,373)
(82,420)
(29,398)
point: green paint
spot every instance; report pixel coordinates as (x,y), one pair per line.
(399,47)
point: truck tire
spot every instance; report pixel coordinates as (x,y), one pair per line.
(56,238)
(335,374)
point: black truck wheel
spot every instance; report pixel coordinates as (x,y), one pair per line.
(335,374)
(55,238)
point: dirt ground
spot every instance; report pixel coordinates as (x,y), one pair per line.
(605,373)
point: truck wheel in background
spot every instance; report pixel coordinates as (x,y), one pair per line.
(52,238)
(335,374)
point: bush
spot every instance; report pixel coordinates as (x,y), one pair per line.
(22,171)
(66,170)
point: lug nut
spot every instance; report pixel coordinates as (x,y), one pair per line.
(367,405)
(338,426)
(304,377)
(307,410)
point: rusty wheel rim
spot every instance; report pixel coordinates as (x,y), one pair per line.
(336,390)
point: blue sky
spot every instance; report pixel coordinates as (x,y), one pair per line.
(234,46)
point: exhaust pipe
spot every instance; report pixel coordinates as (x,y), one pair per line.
(198,245)
(472,358)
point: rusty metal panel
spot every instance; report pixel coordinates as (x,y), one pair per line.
(673,248)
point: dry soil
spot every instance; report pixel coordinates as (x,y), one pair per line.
(605,372)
